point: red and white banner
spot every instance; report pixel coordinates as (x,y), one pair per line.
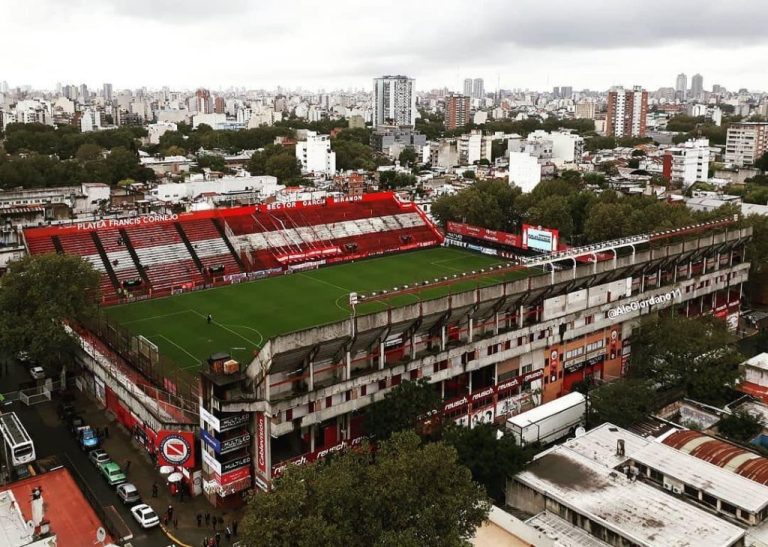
(176,448)
(504,238)
(261,443)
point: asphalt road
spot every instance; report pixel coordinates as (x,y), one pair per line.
(52,438)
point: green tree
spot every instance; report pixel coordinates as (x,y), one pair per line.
(552,212)
(487,203)
(406,494)
(741,426)
(762,162)
(492,458)
(277,161)
(88,152)
(400,408)
(469,174)
(695,354)
(38,295)
(622,402)
(407,156)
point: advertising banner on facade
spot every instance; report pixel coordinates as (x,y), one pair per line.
(540,239)
(176,448)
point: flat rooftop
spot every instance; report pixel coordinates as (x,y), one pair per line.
(600,445)
(639,512)
(563,532)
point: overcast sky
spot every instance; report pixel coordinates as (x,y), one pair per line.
(335,44)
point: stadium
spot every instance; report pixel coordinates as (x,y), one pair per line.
(203,330)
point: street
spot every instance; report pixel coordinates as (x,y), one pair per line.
(52,438)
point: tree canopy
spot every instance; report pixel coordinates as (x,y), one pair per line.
(492,458)
(400,408)
(695,354)
(277,161)
(37,295)
(404,494)
(489,203)
(741,426)
(622,402)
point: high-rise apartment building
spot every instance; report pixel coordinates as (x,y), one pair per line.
(456,111)
(627,112)
(697,86)
(556,92)
(219,106)
(478,88)
(687,163)
(746,142)
(585,109)
(394,101)
(681,87)
(566,92)
(203,101)
(468,87)
(107,91)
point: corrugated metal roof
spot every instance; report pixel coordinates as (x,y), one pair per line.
(721,453)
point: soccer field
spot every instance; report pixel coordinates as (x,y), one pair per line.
(247,314)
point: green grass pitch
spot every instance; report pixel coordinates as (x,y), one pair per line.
(247,314)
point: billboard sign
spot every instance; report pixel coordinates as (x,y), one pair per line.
(540,239)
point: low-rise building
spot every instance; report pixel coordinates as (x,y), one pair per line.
(524,171)
(315,154)
(687,163)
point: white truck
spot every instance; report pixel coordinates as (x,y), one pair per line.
(549,422)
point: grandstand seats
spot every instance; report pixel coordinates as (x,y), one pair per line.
(191,249)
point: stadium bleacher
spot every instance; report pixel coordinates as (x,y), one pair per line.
(159,254)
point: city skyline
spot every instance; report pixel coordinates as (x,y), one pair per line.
(270,45)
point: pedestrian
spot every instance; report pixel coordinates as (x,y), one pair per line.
(170,512)
(214,521)
(165,519)
(228,533)
(154,489)
(205,542)
(199,519)
(127,466)
(175,523)
(207,518)
(211,542)
(234,527)
(218,539)
(210,318)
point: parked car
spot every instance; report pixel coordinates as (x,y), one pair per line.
(87,438)
(98,457)
(128,494)
(22,357)
(112,473)
(145,515)
(37,372)
(75,423)
(65,410)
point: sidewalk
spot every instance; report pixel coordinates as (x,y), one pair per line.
(122,448)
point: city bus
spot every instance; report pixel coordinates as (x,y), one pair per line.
(19,450)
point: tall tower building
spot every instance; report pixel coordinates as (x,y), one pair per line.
(681,87)
(394,101)
(478,88)
(203,101)
(456,111)
(627,112)
(468,87)
(697,86)
(107,92)
(566,92)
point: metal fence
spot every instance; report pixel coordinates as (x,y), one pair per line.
(180,389)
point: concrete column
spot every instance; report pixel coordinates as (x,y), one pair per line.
(689,269)
(642,282)
(470,329)
(348,358)
(496,324)
(443,337)
(312,437)
(674,274)
(311,382)
(704,262)
(469,384)
(521,317)
(413,347)
(381,356)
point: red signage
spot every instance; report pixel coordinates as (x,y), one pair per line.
(504,238)
(176,448)
(460,403)
(234,476)
(261,442)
